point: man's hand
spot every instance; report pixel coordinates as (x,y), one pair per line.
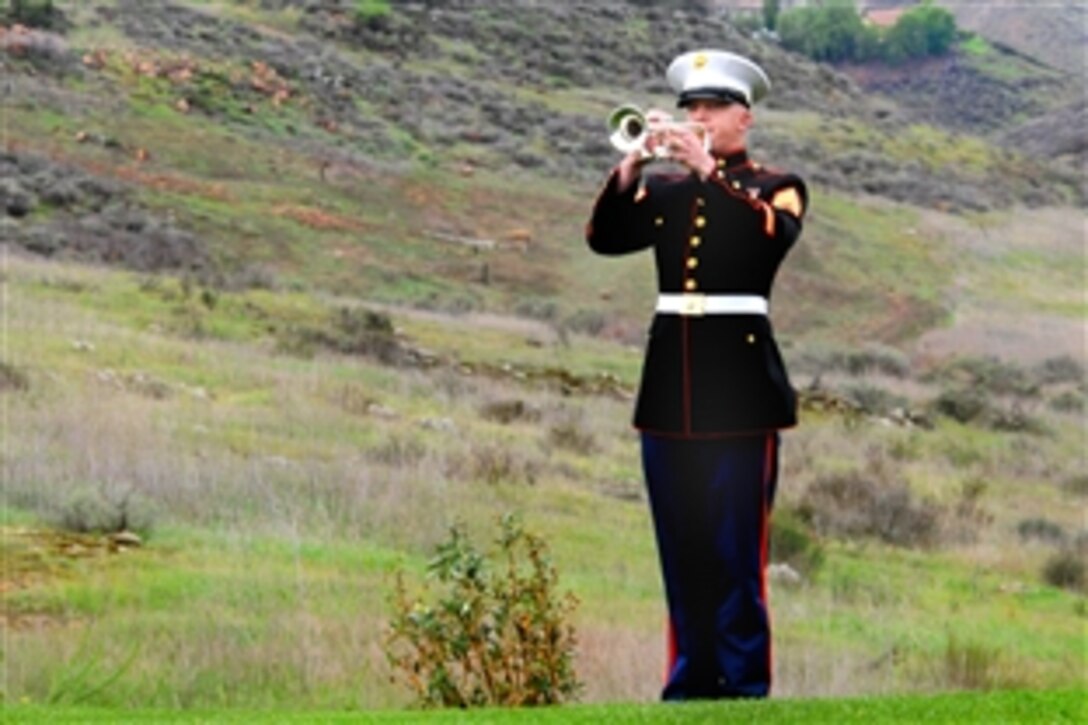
(629,168)
(686,147)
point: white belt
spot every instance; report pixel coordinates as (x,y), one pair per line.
(700,304)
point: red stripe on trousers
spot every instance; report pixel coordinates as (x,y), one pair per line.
(768,472)
(671,652)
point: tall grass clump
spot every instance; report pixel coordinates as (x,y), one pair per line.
(497,634)
(971,665)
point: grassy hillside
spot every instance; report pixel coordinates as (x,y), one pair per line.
(287,291)
(1053,32)
(298,145)
(279,484)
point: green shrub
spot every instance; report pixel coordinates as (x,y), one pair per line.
(97,510)
(1068,401)
(864,360)
(966,405)
(1015,419)
(1040,529)
(1060,369)
(990,376)
(874,400)
(794,543)
(348,330)
(1065,569)
(33,13)
(588,322)
(497,634)
(367,11)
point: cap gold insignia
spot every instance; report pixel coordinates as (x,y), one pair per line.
(699,61)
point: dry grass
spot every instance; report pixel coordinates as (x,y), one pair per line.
(281,490)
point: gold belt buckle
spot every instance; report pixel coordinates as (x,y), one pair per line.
(692,304)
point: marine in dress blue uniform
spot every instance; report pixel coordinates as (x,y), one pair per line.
(714,390)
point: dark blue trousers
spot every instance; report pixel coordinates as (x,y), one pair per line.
(711,500)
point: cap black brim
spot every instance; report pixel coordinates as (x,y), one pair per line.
(710,94)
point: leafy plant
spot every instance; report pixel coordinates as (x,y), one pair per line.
(33,13)
(367,11)
(1040,529)
(497,633)
(834,31)
(794,543)
(1066,569)
(102,510)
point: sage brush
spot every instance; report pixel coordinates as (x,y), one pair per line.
(497,633)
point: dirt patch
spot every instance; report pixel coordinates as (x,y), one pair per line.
(34,557)
(318,219)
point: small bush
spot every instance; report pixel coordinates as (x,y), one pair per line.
(794,543)
(572,436)
(1068,401)
(1015,419)
(989,376)
(34,14)
(497,634)
(1076,485)
(966,405)
(363,332)
(1065,569)
(352,331)
(509,411)
(1061,369)
(493,464)
(537,309)
(874,400)
(398,451)
(865,360)
(857,505)
(588,322)
(1039,529)
(96,510)
(12,378)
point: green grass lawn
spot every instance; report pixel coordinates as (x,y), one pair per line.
(966,707)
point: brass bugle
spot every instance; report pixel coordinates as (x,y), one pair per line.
(630,129)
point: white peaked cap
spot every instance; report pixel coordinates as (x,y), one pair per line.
(716,74)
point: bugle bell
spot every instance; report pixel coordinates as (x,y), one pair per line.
(630,129)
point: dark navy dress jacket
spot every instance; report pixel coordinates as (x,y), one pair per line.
(715,374)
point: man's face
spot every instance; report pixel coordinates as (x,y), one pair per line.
(727,123)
